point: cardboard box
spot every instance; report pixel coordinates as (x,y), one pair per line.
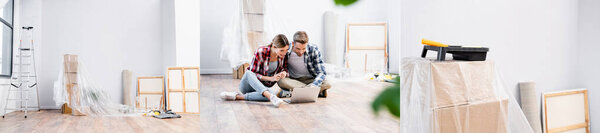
(478,117)
(254,6)
(70,63)
(73,97)
(65,109)
(77,113)
(240,71)
(255,39)
(234,73)
(459,82)
(255,22)
(70,78)
(70,58)
(71,67)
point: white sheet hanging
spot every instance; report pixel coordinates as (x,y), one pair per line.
(91,99)
(235,48)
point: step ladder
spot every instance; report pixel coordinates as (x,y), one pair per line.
(24,76)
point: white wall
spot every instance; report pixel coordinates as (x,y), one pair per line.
(394,34)
(304,15)
(531,40)
(187,31)
(215,15)
(168,35)
(587,66)
(109,36)
(552,43)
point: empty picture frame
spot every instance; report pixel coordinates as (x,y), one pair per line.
(366,47)
(183,89)
(566,111)
(150,92)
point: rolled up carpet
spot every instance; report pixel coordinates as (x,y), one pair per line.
(127,90)
(530,105)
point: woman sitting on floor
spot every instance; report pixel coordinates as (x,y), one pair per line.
(268,66)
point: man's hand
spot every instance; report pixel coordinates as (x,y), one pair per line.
(311,85)
(283,74)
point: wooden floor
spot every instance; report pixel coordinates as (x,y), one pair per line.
(346,109)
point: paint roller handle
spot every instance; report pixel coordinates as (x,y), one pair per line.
(432,43)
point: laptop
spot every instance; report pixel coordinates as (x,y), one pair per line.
(304,95)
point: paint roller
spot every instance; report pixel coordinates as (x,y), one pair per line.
(433,43)
(438,44)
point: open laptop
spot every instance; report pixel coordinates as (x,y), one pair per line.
(304,95)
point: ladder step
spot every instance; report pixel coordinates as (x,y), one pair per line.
(23,81)
(29,108)
(17,99)
(21,72)
(24,76)
(32,85)
(16,85)
(23,55)
(17,79)
(22,90)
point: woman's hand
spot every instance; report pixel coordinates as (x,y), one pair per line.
(282,74)
(274,78)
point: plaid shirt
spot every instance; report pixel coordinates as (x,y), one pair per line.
(314,63)
(260,64)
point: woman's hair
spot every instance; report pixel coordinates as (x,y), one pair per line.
(280,41)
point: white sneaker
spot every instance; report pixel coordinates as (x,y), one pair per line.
(275,90)
(276,101)
(228,95)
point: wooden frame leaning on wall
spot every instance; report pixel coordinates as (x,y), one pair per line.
(358,38)
(571,106)
(183,91)
(150,87)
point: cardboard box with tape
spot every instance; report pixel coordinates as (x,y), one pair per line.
(456,97)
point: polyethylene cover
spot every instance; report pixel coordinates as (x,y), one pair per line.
(456,97)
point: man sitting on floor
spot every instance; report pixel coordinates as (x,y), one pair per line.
(305,67)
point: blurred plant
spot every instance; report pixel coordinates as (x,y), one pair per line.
(389,98)
(344,2)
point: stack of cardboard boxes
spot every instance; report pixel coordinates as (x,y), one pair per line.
(464,98)
(253,11)
(453,97)
(254,16)
(71,84)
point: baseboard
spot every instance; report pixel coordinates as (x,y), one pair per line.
(49,107)
(9,111)
(215,71)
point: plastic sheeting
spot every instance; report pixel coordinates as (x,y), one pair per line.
(83,95)
(456,96)
(531,105)
(235,48)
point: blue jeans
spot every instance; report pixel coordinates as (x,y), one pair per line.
(252,88)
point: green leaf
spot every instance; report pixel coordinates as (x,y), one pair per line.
(389,98)
(344,2)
